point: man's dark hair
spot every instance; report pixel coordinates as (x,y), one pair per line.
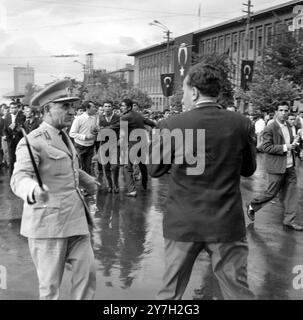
(206,78)
(291,114)
(166,110)
(282,103)
(13,103)
(87,104)
(128,103)
(109,102)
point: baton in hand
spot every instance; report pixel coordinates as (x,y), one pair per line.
(33,160)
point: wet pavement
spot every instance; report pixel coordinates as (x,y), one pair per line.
(128,246)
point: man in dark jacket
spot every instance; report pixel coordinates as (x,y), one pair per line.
(13,123)
(204,203)
(133,120)
(279,146)
(109,157)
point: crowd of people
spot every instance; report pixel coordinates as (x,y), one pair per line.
(204,210)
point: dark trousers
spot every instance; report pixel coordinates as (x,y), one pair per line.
(229,265)
(129,172)
(129,177)
(286,184)
(12,146)
(85,154)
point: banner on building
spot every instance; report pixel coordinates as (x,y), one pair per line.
(246,73)
(167,83)
(182,57)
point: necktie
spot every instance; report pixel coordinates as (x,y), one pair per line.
(64,138)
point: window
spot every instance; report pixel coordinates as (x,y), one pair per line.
(221,45)
(269,35)
(202,48)
(208,48)
(242,43)
(251,40)
(259,41)
(227,44)
(214,45)
(235,42)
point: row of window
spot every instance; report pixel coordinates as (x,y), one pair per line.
(230,43)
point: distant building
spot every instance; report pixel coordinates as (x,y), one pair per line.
(227,37)
(126,73)
(23,76)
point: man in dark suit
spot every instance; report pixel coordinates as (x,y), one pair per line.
(134,120)
(13,123)
(109,157)
(32,116)
(1,135)
(204,203)
(279,146)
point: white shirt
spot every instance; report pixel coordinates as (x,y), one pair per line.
(81,127)
(13,117)
(286,135)
(259,125)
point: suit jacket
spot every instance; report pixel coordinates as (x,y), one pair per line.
(14,134)
(136,121)
(30,126)
(207,206)
(104,123)
(64,215)
(273,141)
(1,126)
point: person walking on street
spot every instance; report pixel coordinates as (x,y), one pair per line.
(279,146)
(204,207)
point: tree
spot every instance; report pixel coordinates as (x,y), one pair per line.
(30,91)
(279,76)
(283,57)
(107,86)
(266,90)
(142,98)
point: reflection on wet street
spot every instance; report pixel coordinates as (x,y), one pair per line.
(128,246)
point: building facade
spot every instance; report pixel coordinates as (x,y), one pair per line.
(228,37)
(22,77)
(126,74)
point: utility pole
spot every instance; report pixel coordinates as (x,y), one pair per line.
(247,33)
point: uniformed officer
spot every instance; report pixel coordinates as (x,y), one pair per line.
(55,217)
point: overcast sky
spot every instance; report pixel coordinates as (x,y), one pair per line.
(33,30)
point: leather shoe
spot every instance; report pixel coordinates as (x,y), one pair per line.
(131,194)
(250,213)
(116,189)
(109,190)
(293,226)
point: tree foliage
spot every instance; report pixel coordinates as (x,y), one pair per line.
(106,86)
(30,91)
(279,76)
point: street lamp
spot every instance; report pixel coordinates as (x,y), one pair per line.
(167,33)
(167,37)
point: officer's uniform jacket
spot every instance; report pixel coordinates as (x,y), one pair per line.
(63,215)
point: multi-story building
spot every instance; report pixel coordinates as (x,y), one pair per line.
(23,76)
(227,37)
(126,74)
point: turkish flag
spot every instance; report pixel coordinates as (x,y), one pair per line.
(167,83)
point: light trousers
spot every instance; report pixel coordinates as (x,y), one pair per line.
(50,256)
